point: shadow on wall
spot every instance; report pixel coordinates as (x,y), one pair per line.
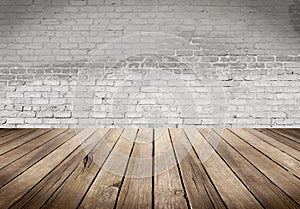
(294,12)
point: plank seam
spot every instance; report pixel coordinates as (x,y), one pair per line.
(179,172)
(37,161)
(273,145)
(243,183)
(256,167)
(206,173)
(153,167)
(265,155)
(29,151)
(126,168)
(278,132)
(99,168)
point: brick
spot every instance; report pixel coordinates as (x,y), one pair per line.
(51,121)
(265,58)
(7,77)
(63,58)
(97,114)
(134,114)
(78,114)
(27,114)
(51,82)
(30,58)
(16,83)
(15,120)
(44,114)
(78,2)
(14,94)
(284,58)
(34,46)
(60,2)
(256,65)
(32,94)
(292,65)
(193,121)
(147,102)
(260,67)
(58,101)
(68,121)
(62,114)
(35,83)
(40,101)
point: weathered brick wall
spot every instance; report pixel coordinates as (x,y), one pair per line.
(70,63)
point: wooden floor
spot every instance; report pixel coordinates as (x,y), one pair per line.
(146,168)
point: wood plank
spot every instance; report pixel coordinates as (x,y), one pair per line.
(269,195)
(14,135)
(16,142)
(74,181)
(293,131)
(281,146)
(43,190)
(286,161)
(136,190)
(281,138)
(199,188)
(39,170)
(82,177)
(287,134)
(279,176)
(20,151)
(10,172)
(104,190)
(168,189)
(6,131)
(225,181)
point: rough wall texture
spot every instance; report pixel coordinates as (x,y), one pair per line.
(70,63)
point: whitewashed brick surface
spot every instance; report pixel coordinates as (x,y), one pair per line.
(236,64)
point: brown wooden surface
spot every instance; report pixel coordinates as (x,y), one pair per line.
(200,190)
(149,168)
(169,191)
(105,188)
(137,192)
(281,138)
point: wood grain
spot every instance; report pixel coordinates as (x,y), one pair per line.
(279,176)
(282,139)
(149,168)
(136,191)
(71,192)
(199,188)
(14,135)
(269,196)
(286,161)
(41,192)
(168,190)
(105,188)
(279,145)
(224,179)
(35,173)
(17,167)
(38,139)
(288,134)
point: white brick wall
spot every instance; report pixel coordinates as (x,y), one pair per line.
(198,62)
